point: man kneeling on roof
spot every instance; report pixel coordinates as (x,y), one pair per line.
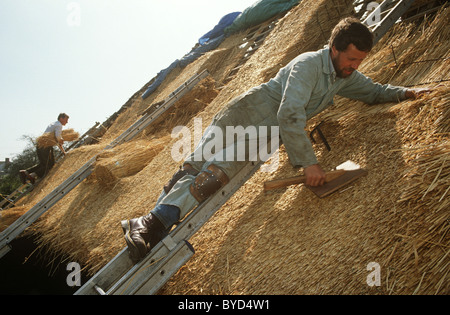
(46,155)
(300,90)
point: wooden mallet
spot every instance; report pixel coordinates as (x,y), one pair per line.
(344,174)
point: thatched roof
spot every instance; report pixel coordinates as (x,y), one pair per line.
(289,241)
(48,139)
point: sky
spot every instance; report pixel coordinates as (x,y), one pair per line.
(86,58)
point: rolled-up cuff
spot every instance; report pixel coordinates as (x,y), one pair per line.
(168,215)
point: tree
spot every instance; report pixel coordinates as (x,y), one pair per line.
(24,160)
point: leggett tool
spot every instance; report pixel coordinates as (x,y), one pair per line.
(344,174)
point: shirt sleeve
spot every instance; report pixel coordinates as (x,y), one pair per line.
(292,114)
(362,88)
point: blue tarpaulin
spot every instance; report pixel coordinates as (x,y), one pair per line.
(187,59)
(259,12)
(159,79)
(230,23)
(209,41)
(218,30)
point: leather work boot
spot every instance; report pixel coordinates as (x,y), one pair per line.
(142,234)
(24,176)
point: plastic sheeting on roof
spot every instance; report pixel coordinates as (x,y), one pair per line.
(253,15)
(209,41)
(259,12)
(183,62)
(218,30)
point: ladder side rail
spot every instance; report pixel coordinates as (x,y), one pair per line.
(177,258)
(153,271)
(135,277)
(18,196)
(76,143)
(389,20)
(120,139)
(175,96)
(3,202)
(34,213)
(372,15)
(112,276)
(41,207)
(9,199)
(198,219)
(14,193)
(108,275)
(147,119)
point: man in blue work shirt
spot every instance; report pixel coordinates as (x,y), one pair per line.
(300,90)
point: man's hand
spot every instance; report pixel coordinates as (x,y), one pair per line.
(415,93)
(315,176)
(62,148)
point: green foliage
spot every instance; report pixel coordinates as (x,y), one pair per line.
(8,184)
(24,160)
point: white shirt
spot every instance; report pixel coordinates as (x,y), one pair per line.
(55,127)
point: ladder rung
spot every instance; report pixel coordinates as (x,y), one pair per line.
(386,22)
(63,189)
(116,271)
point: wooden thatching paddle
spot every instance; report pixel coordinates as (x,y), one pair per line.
(343,175)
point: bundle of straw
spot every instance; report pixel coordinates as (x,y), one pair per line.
(48,139)
(125,160)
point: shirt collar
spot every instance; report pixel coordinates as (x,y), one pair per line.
(328,66)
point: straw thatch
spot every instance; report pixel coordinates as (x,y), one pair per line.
(291,242)
(8,216)
(48,139)
(288,241)
(126,160)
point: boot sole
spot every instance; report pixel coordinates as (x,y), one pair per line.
(133,251)
(125,226)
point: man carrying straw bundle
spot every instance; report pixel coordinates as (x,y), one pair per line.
(45,153)
(301,90)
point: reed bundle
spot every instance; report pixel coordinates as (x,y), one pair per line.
(125,160)
(48,139)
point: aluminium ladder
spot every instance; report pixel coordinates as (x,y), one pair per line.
(385,16)
(63,189)
(121,276)
(10,200)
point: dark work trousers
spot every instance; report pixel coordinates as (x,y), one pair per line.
(46,162)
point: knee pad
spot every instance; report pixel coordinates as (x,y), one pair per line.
(186,169)
(208,182)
